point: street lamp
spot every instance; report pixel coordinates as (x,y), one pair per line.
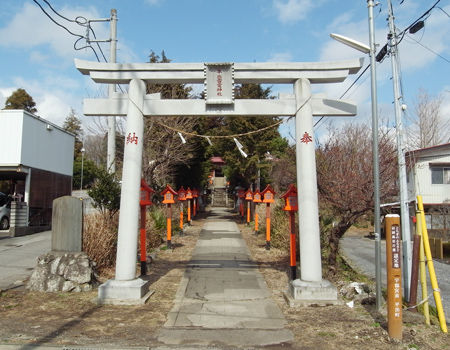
(376,172)
(82,165)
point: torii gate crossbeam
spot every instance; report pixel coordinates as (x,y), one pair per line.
(311,288)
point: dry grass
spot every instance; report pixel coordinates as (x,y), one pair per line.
(337,327)
(100,238)
(100,234)
(74,319)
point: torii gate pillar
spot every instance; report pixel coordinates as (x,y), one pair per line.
(126,288)
(310,288)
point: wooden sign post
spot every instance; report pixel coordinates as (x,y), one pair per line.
(169,199)
(146,199)
(394,275)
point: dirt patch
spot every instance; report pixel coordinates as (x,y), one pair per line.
(337,327)
(73,318)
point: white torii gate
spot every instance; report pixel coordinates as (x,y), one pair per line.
(219,80)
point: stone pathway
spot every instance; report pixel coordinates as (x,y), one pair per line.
(223,298)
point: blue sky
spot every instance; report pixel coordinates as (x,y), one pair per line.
(38,55)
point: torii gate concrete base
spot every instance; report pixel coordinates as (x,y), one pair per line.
(133,292)
(311,288)
(305,293)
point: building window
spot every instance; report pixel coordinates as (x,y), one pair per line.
(440,175)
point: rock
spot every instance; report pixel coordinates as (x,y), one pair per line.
(68,286)
(54,265)
(78,274)
(355,291)
(38,278)
(54,283)
(66,272)
(86,287)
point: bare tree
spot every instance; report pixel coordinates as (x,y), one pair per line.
(345,181)
(164,149)
(428,127)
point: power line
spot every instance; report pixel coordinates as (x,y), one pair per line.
(54,21)
(348,89)
(427,48)
(80,37)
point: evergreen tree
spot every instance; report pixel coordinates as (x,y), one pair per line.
(73,125)
(258,146)
(20,99)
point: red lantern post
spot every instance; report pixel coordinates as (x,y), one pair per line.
(268,197)
(248,198)
(194,201)
(181,199)
(189,199)
(169,199)
(291,206)
(256,199)
(241,196)
(146,199)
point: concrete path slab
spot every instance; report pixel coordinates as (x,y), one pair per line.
(223,298)
(18,257)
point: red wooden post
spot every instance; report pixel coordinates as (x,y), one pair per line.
(189,199)
(181,198)
(195,201)
(143,242)
(256,200)
(145,200)
(241,195)
(169,198)
(291,205)
(268,197)
(248,199)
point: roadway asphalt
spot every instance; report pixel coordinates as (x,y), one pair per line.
(360,253)
(18,257)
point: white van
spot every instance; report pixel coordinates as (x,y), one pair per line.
(5,209)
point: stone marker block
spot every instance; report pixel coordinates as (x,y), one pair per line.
(67,224)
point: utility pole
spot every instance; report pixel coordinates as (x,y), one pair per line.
(111,150)
(404,204)
(375,160)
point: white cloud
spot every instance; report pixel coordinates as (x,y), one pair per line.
(53,96)
(445,106)
(293,10)
(5,92)
(31,28)
(154,2)
(280,57)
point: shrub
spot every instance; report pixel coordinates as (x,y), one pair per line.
(100,238)
(105,192)
(279,226)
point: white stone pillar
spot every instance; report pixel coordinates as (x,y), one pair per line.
(131,180)
(308,207)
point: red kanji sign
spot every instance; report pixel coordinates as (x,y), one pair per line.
(306,138)
(131,139)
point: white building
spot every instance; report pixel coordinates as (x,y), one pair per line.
(429,176)
(36,162)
